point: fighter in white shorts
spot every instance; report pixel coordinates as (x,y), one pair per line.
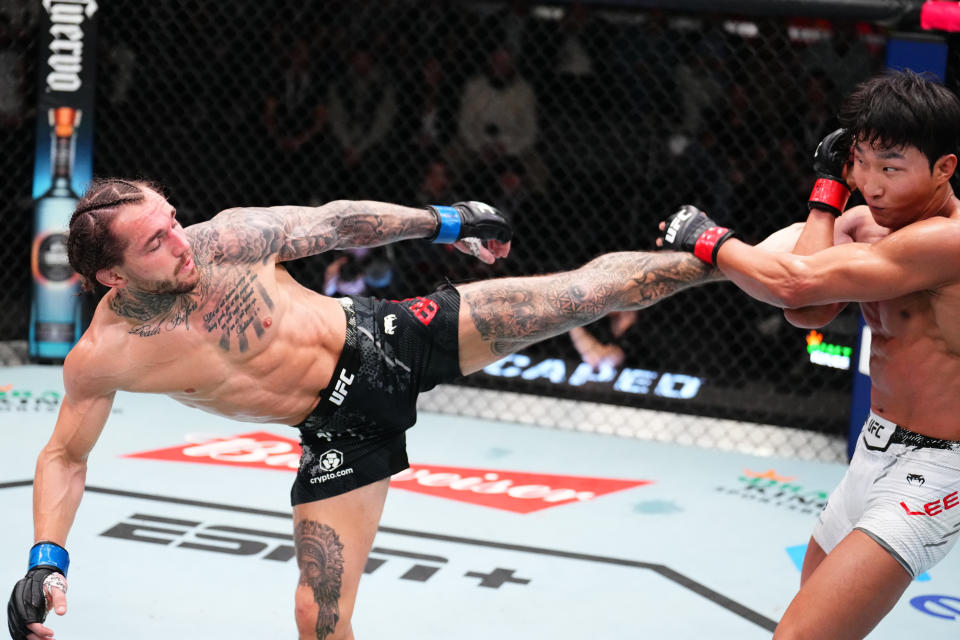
(903,490)
(897,255)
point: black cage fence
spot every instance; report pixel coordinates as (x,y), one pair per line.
(585,124)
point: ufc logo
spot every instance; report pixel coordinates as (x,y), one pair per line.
(878,434)
(681,216)
(874,428)
(339,393)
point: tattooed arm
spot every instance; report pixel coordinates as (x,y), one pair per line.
(247,235)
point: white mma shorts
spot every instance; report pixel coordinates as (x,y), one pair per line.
(903,490)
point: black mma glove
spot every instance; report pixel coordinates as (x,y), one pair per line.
(689,229)
(469,220)
(830,191)
(28,604)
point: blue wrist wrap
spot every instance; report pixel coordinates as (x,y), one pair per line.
(50,555)
(449,225)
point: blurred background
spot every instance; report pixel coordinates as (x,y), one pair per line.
(585,123)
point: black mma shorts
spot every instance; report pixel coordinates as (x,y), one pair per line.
(393,350)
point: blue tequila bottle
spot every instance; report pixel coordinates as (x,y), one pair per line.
(56,306)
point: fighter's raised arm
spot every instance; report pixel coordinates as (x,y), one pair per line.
(922,257)
(831,190)
(259,234)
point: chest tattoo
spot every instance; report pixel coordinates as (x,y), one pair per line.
(236,309)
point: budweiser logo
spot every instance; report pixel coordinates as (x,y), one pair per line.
(508,490)
(260,450)
(514,491)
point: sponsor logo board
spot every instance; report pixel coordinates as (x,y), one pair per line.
(516,491)
(770,487)
(258,450)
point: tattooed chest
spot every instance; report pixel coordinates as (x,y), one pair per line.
(239,311)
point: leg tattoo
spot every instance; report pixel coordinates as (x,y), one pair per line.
(320,558)
(514,312)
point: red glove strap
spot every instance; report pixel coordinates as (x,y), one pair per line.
(830,192)
(705,244)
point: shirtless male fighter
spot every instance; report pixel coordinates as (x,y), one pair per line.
(209,316)
(899,257)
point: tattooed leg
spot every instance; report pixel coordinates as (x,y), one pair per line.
(333,539)
(320,558)
(499,317)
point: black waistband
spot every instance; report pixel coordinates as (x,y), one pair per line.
(920,441)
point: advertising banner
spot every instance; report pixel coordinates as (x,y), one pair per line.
(62,168)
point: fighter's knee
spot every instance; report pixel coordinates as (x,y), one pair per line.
(316,622)
(306,612)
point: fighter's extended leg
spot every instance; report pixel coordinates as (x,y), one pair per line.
(333,539)
(848,593)
(499,317)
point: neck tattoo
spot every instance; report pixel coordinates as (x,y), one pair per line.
(155,312)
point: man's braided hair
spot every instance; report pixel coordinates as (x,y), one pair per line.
(91,243)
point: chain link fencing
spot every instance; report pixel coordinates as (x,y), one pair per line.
(18,73)
(586,126)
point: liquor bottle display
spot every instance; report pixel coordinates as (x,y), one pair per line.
(56,306)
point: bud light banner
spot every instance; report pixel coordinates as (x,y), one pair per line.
(62,169)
